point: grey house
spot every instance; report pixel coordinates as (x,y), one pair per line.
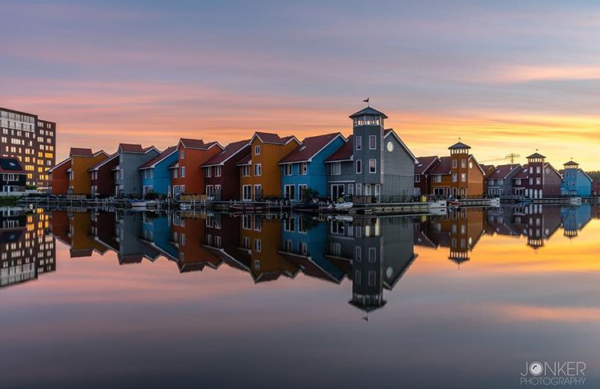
(500,182)
(373,163)
(127,177)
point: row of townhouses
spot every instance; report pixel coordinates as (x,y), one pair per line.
(371,164)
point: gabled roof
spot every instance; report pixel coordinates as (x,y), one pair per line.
(80,152)
(536,156)
(390,131)
(11,165)
(228,152)
(197,144)
(458,146)
(245,161)
(523,174)
(424,163)
(152,162)
(368,111)
(571,163)
(503,171)
(443,167)
(131,148)
(68,160)
(344,153)
(310,147)
(488,169)
(104,162)
(267,137)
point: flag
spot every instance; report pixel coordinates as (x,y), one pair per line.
(366,100)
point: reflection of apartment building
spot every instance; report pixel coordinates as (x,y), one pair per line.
(26,252)
(537,179)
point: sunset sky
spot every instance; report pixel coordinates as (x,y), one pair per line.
(505,76)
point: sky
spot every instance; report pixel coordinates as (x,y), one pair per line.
(504,76)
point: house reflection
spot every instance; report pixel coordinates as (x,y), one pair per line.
(372,252)
(26,250)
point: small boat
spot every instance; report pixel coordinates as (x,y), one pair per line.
(495,202)
(247,208)
(185,206)
(343,206)
(453,203)
(140,204)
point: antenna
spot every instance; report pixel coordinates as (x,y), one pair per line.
(512,157)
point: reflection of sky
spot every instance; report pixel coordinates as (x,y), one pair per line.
(96,324)
(507,76)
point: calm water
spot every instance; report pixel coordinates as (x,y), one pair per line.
(99,300)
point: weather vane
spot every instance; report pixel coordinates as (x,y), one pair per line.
(367,101)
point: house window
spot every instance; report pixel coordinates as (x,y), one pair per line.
(359,189)
(246,171)
(182,190)
(257,245)
(454,177)
(208,172)
(372,254)
(247,192)
(287,170)
(454,164)
(337,191)
(258,169)
(359,143)
(417,178)
(463,163)
(289,192)
(463,177)
(257,150)
(437,178)
(359,167)
(372,277)
(218,171)
(372,166)
(301,189)
(257,192)
(304,168)
(351,189)
(336,169)
(209,190)
(182,171)
(372,142)
(175,171)
(538,170)
(538,181)
(358,253)
(182,154)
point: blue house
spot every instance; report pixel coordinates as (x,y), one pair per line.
(574,219)
(305,166)
(575,182)
(155,174)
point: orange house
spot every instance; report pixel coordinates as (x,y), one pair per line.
(458,175)
(59,178)
(80,182)
(187,176)
(260,173)
(186,235)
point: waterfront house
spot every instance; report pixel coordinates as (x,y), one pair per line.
(260,173)
(82,160)
(458,175)
(221,173)
(304,168)
(500,182)
(127,176)
(575,182)
(59,178)
(374,164)
(103,176)
(186,175)
(537,179)
(155,173)
(12,175)
(575,218)
(423,168)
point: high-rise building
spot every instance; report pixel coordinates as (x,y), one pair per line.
(31,140)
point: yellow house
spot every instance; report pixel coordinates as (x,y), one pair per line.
(80,182)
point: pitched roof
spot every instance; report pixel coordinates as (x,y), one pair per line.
(229,151)
(458,146)
(503,171)
(192,143)
(11,165)
(68,160)
(536,156)
(245,161)
(390,131)
(131,148)
(310,147)
(158,158)
(423,163)
(344,153)
(267,137)
(571,163)
(102,163)
(523,174)
(443,167)
(368,111)
(80,152)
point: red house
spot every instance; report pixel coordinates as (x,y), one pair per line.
(423,169)
(187,177)
(221,173)
(59,177)
(102,176)
(538,179)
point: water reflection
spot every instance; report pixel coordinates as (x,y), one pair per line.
(372,252)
